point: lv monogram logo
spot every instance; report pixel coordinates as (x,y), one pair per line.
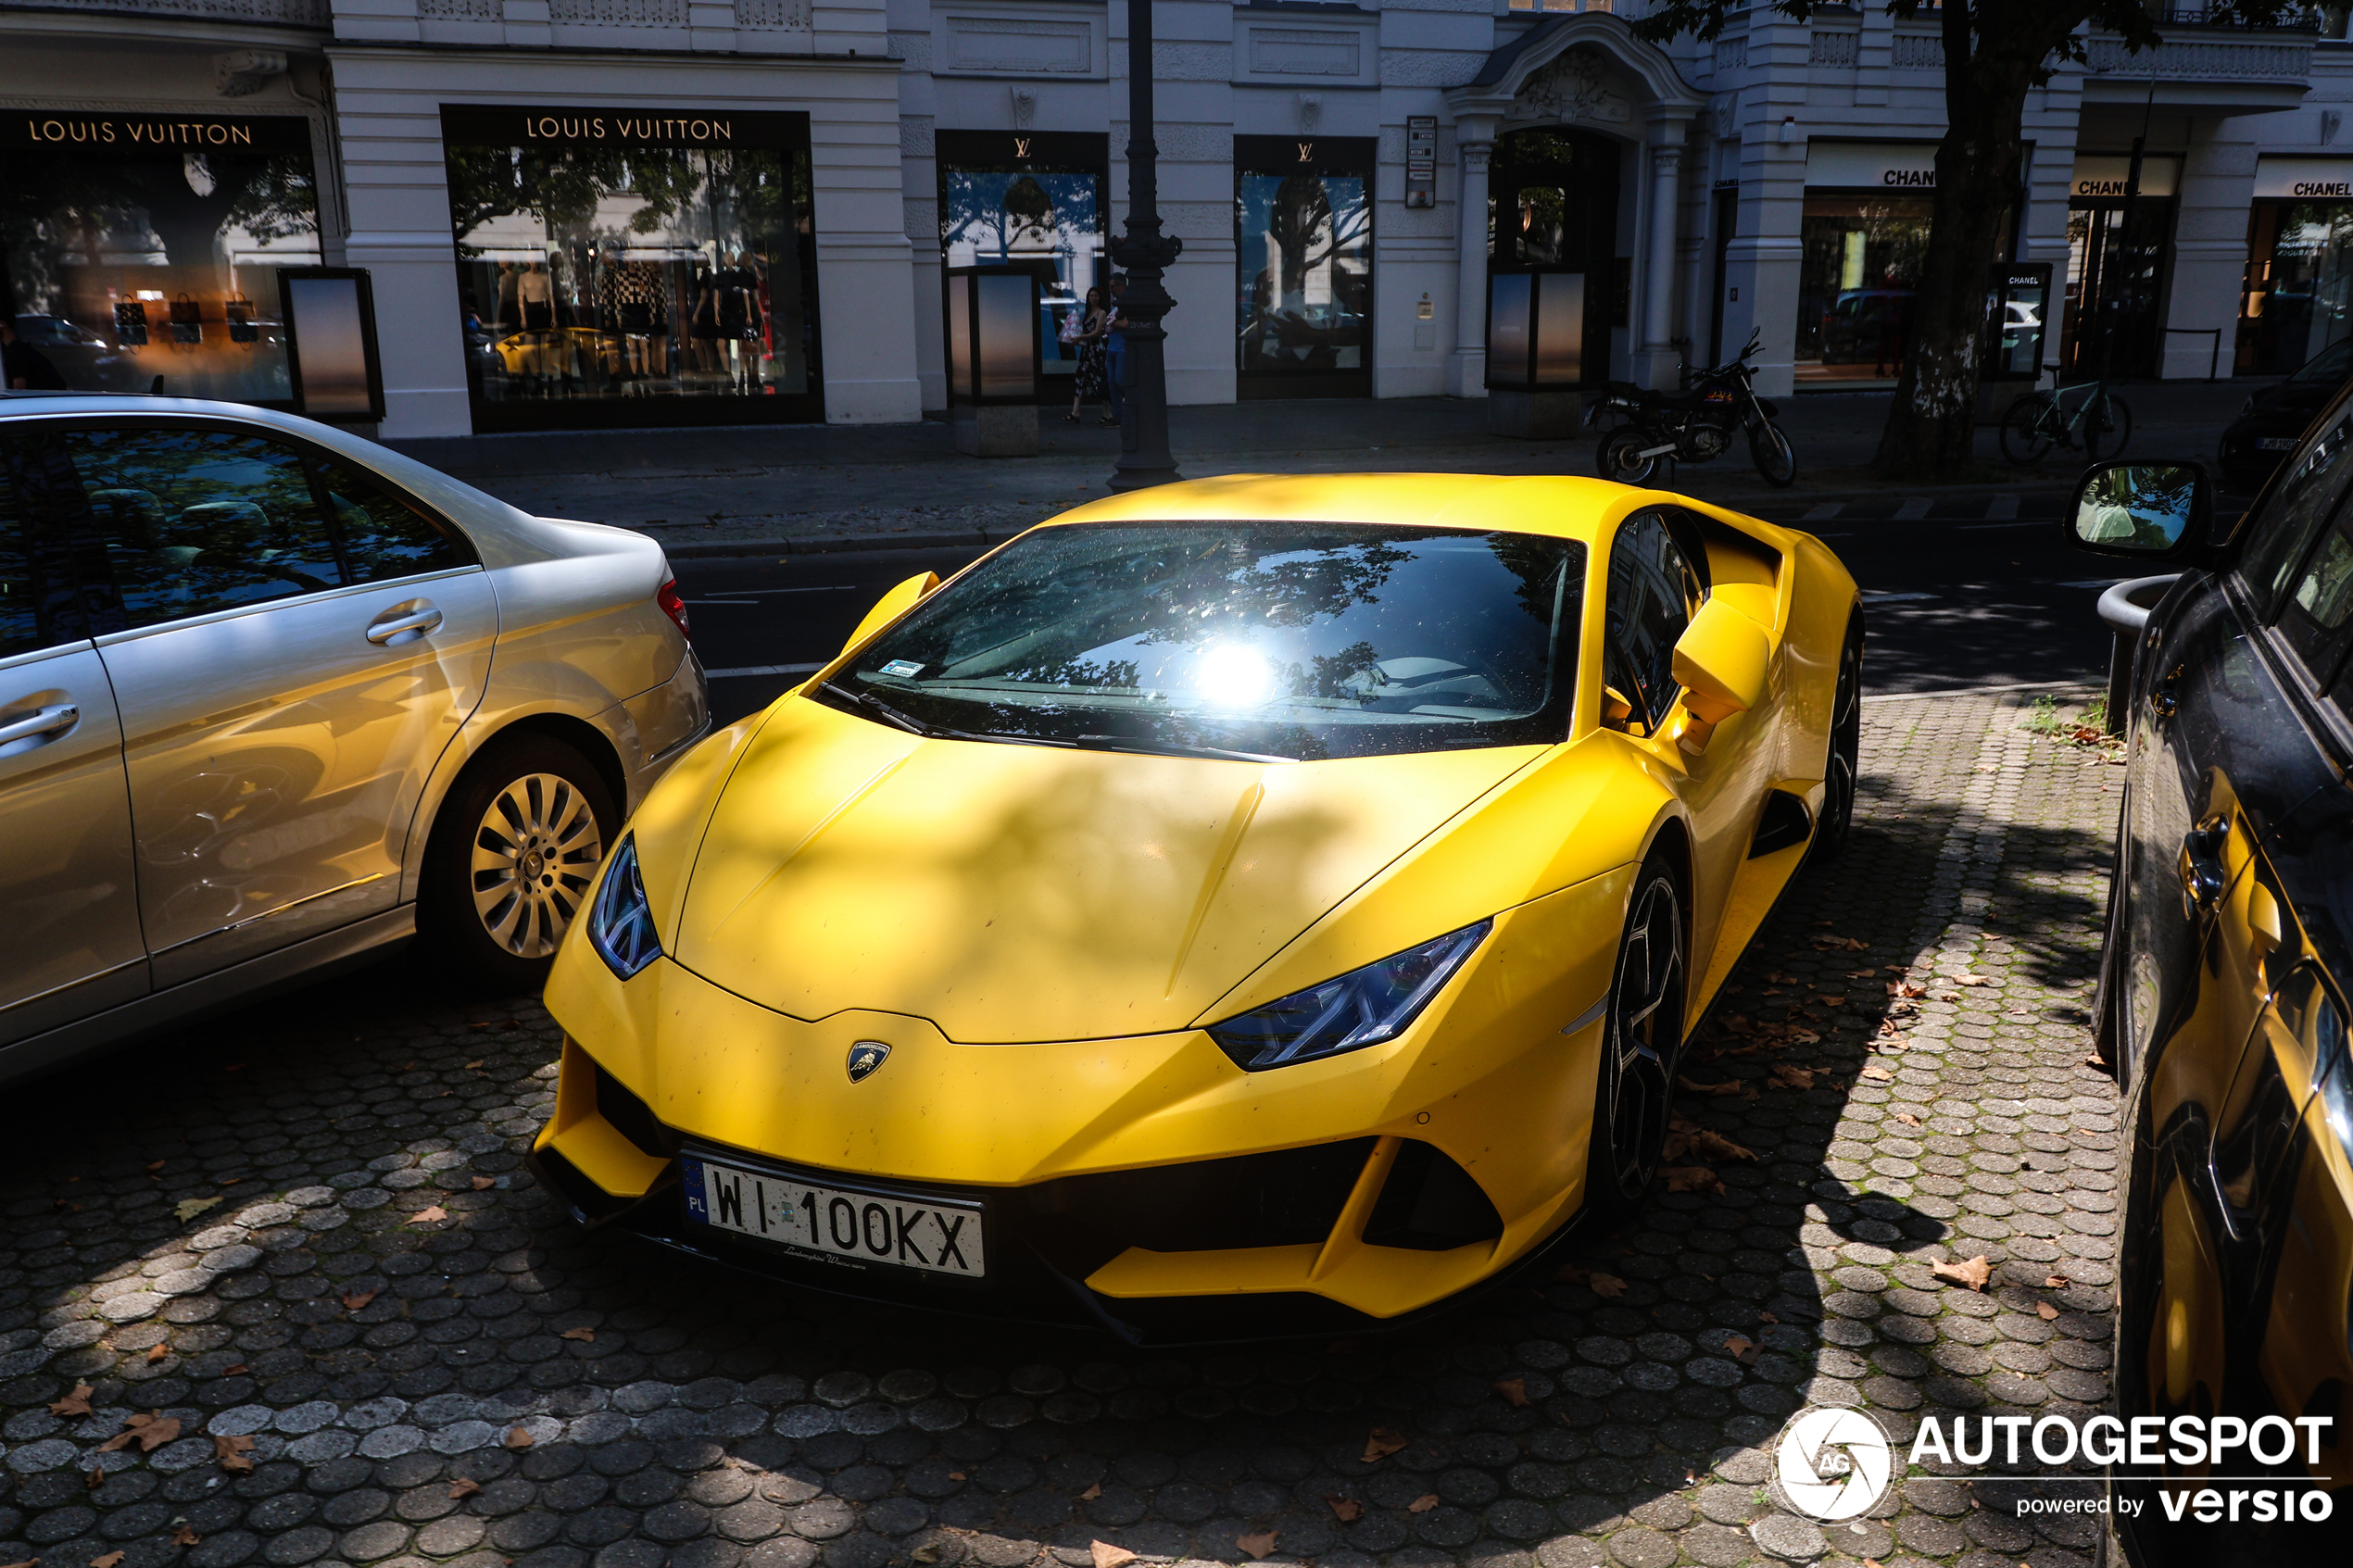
(1307,152)
(1021,146)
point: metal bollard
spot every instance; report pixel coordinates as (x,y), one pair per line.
(2125,608)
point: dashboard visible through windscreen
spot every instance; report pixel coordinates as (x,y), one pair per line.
(1263,641)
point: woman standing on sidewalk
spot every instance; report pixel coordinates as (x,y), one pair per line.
(1089,381)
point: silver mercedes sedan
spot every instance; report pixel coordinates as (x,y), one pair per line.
(274,698)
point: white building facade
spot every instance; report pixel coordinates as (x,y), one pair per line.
(604,214)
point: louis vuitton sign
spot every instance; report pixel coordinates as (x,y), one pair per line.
(513,126)
(143,134)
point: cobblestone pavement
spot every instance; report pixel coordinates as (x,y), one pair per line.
(301,1239)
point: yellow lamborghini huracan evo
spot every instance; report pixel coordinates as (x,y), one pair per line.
(1247,905)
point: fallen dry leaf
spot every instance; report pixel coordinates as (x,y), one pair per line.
(28,1562)
(1973,1273)
(483,1183)
(157,1351)
(1347,1510)
(585,1335)
(1515,1391)
(1259,1544)
(1786,1077)
(1729,1086)
(357,1300)
(428,1215)
(1907,1119)
(2045,1310)
(182,1534)
(1382,1442)
(1687,1136)
(1742,1349)
(106,1560)
(150,1431)
(237,1371)
(228,1451)
(1876,1072)
(1830,1001)
(1690,1178)
(518,1438)
(1609,1287)
(476,1065)
(927,1553)
(464,1486)
(189,1207)
(1091,1493)
(75,1403)
(1972,980)
(1764,1316)
(1109,1556)
(2054,1281)
(95,1479)
(1423,1504)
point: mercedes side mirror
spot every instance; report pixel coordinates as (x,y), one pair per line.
(2150,511)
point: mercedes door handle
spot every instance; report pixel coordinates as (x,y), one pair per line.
(2202,873)
(50,720)
(405,625)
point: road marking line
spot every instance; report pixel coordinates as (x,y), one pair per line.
(1914,509)
(762,669)
(1823,511)
(2001,507)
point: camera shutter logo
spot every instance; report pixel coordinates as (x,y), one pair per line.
(1833,1464)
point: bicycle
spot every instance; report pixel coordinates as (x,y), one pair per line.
(2036,421)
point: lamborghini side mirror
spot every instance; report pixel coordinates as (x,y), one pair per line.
(891,605)
(1721,661)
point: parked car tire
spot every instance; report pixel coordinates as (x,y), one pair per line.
(513,851)
(1642,1048)
(1837,821)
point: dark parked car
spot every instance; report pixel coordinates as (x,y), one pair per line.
(2274,422)
(2223,1007)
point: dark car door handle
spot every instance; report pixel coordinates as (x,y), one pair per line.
(41,721)
(2202,873)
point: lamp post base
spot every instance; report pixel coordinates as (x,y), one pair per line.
(1143,479)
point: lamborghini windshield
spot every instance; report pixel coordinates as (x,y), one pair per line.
(1277,641)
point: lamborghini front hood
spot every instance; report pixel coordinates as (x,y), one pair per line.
(1015,893)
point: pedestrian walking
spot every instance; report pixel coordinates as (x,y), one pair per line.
(1116,349)
(1092,321)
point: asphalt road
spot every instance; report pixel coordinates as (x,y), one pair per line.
(1952,604)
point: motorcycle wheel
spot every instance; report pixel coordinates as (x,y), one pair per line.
(1775,459)
(1620,458)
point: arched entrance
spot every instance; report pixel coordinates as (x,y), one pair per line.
(1553,195)
(1583,93)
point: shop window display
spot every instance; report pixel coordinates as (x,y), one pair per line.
(2108,318)
(2298,299)
(1032,201)
(615,270)
(1303,265)
(1860,271)
(1551,207)
(141,254)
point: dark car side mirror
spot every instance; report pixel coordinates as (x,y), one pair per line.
(2150,511)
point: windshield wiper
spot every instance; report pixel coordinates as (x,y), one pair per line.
(1172,748)
(914,726)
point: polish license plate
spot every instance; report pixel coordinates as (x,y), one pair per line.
(941,1238)
(2277,443)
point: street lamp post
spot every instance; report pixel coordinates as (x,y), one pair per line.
(1143,253)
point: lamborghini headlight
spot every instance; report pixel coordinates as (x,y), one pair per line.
(1361,1007)
(620,925)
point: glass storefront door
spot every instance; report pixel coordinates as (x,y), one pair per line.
(1033,201)
(140,254)
(1858,271)
(2298,297)
(623,269)
(1552,205)
(2110,321)
(1303,265)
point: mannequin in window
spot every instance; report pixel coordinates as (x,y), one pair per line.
(534,295)
(635,305)
(737,317)
(703,322)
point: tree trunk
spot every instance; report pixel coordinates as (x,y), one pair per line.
(1931,430)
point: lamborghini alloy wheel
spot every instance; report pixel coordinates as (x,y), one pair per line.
(1837,819)
(1644,1037)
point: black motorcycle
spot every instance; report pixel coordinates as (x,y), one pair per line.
(1690,426)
